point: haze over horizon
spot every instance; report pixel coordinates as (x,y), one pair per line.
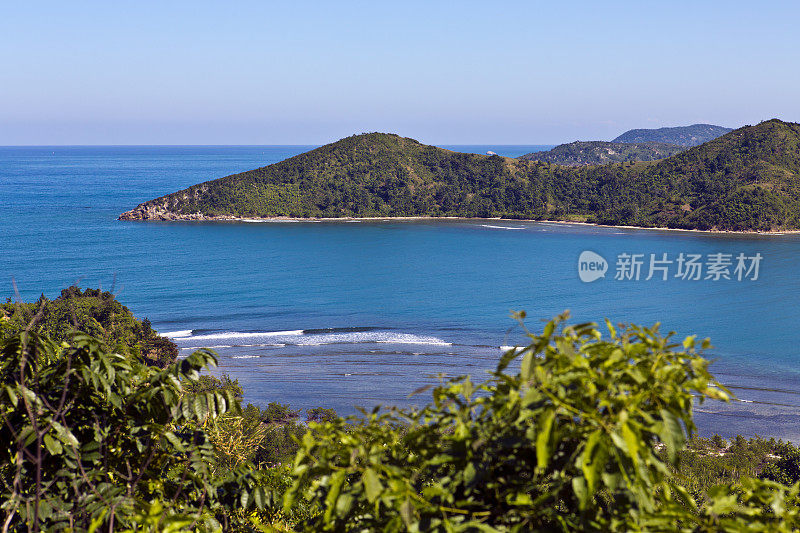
(258,73)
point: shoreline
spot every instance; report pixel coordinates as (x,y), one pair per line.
(285,219)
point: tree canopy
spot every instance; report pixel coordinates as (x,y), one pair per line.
(94,312)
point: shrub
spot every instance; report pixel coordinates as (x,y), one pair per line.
(278,413)
(94,439)
(320,414)
(568,442)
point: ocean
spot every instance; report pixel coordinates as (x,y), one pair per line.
(348,314)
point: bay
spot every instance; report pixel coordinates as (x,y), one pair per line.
(360,313)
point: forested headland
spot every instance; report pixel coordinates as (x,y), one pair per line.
(746,180)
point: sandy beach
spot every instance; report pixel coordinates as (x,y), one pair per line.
(197,217)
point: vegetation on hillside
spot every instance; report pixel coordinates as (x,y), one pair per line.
(94,312)
(580,430)
(686,136)
(93,439)
(747,180)
(600,153)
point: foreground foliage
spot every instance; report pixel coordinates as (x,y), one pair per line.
(572,441)
(92,438)
(575,432)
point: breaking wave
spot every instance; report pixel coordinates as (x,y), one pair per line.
(177,334)
(498,227)
(309,337)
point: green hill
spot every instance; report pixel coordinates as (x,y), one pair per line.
(94,312)
(602,152)
(687,136)
(746,180)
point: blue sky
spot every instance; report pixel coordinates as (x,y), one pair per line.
(302,72)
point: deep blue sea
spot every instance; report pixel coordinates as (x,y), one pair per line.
(352,314)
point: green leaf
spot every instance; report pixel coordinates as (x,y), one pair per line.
(12,395)
(590,464)
(579,488)
(632,441)
(688,342)
(98,521)
(407,513)
(65,435)
(200,408)
(469,474)
(549,328)
(53,446)
(543,438)
(671,434)
(722,501)
(528,361)
(175,441)
(372,485)
(611,329)
(344,504)
(506,359)
(521,499)
(334,489)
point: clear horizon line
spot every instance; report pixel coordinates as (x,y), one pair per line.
(239,145)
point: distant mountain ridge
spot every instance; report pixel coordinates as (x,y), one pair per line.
(603,152)
(746,180)
(687,136)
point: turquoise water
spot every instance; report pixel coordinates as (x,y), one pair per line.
(345,314)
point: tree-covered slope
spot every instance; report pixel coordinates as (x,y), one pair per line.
(602,152)
(693,135)
(369,175)
(746,180)
(94,312)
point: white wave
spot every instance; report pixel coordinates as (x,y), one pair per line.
(431,343)
(297,337)
(175,334)
(219,346)
(507,348)
(366,337)
(248,335)
(267,345)
(245,357)
(498,227)
(213,347)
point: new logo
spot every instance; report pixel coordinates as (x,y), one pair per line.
(591,266)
